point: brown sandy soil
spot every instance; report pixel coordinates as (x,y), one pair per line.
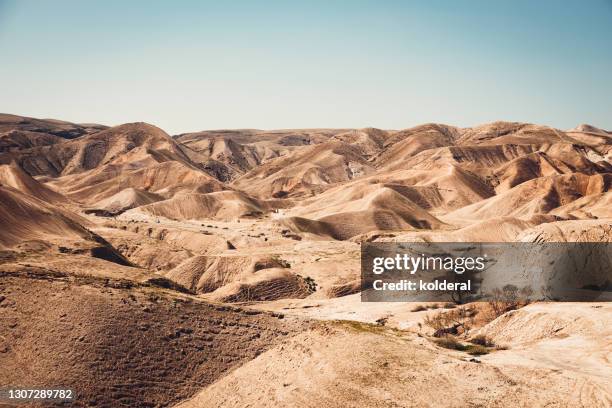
(121,344)
(121,250)
(350,364)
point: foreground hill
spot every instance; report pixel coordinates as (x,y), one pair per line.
(552,362)
(123,345)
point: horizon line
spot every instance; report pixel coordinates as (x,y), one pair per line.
(218,129)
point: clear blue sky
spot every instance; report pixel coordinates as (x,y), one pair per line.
(194,65)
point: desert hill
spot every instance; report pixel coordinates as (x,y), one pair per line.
(58,128)
(164,178)
(161,346)
(537,196)
(569,231)
(438,190)
(317,368)
(590,134)
(305,171)
(12,175)
(590,206)
(125,200)
(358,210)
(497,133)
(322,183)
(121,249)
(13,141)
(137,142)
(223,205)
(369,141)
(24,218)
(98,166)
(532,166)
(18,134)
(429,182)
(227,154)
(406,143)
(281,137)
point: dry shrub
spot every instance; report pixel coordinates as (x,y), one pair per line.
(450,342)
(382,321)
(508,298)
(503,300)
(421,308)
(477,350)
(482,340)
(449,322)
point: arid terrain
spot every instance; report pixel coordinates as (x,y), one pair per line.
(222,268)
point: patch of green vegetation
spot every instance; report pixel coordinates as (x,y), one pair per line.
(362,327)
(477,350)
(452,343)
(482,340)
(374,328)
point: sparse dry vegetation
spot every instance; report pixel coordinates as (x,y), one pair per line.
(452,343)
(477,350)
(508,298)
(482,340)
(451,321)
(432,306)
(281,262)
